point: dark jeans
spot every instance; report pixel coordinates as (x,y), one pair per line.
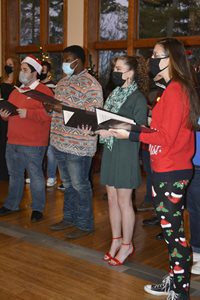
(168,198)
(20,158)
(193,206)
(75,171)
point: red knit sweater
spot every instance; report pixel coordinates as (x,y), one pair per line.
(34,129)
(172,146)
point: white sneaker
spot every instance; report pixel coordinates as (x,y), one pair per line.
(196,256)
(27,180)
(51,181)
(196,268)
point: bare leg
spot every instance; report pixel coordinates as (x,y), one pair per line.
(115,219)
(128,222)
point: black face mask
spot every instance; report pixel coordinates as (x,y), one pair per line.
(43,76)
(154,66)
(117,78)
(8,69)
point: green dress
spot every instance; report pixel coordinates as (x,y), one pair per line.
(120,166)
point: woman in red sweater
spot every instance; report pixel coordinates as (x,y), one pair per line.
(171,148)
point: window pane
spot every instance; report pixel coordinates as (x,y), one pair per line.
(55,21)
(105,58)
(169,18)
(113,19)
(56,60)
(29,22)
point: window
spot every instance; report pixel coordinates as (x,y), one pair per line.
(113,19)
(168,18)
(29,22)
(55,21)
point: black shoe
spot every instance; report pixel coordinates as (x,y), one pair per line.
(78,233)
(162,288)
(151,222)
(36,216)
(60,225)
(5,211)
(160,237)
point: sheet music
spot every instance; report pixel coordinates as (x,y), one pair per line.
(103,116)
(21,90)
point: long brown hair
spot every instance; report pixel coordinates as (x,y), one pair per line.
(140,68)
(16,69)
(179,70)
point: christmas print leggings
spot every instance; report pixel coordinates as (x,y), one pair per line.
(168,200)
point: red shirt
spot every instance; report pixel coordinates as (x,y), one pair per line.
(34,129)
(172,146)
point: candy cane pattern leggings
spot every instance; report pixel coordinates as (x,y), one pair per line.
(168,200)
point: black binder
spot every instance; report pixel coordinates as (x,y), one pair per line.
(100,119)
(11,108)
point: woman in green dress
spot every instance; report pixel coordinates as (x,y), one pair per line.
(120,168)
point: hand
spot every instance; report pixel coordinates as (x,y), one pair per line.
(120,133)
(48,107)
(57,107)
(4,114)
(22,112)
(104,133)
(87,130)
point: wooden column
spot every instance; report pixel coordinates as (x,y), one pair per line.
(91,28)
(10,28)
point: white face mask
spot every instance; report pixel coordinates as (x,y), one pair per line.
(66,67)
(24,78)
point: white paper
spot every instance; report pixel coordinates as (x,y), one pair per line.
(103,116)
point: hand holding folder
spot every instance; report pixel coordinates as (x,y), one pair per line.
(9,107)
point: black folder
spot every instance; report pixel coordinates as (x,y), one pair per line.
(37,95)
(74,117)
(11,108)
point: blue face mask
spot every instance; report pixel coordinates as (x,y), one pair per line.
(66,67)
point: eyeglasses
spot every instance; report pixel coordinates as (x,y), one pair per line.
(160,57)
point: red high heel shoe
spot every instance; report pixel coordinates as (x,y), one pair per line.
(116,262)
(107,255)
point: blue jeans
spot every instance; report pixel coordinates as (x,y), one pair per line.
(193,206)
(51,163)
(20,158)
(77,208)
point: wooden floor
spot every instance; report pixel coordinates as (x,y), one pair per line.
(31,270)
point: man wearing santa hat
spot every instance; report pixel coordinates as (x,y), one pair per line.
(28,134)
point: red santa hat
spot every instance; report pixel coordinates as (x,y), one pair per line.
(34,62)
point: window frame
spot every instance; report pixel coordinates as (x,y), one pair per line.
(132,43)
(11,30)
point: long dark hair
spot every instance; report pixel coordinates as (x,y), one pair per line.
(179,70)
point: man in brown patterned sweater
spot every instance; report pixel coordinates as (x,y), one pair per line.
(73,148)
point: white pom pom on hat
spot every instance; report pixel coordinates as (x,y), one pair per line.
(34,62)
